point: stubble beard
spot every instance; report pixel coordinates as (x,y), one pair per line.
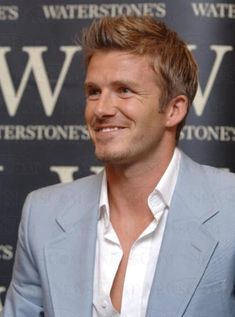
(125,156)
(113,158)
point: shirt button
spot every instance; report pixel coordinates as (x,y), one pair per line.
(104,305)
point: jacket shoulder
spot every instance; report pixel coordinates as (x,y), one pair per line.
(62,192)
(219,177)
(216,183)
(44,205)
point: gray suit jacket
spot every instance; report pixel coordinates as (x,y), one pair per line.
(195,275)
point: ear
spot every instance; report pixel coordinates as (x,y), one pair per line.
(177,109)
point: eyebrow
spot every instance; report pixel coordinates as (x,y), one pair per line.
(89,84)
(124,82)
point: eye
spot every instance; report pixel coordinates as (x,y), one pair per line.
(92,93)
(124,91)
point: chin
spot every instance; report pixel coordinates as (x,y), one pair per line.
(112,157)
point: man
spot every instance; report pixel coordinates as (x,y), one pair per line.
(154,234)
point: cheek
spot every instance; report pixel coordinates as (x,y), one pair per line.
(130,108)
(87,113)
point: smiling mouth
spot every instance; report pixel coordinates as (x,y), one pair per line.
(109,129)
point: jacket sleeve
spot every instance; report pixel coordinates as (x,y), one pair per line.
(24,296)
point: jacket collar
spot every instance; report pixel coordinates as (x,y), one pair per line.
(85,196)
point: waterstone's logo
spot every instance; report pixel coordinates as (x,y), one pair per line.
(214,10)
(94,11)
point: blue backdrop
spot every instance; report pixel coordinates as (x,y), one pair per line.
(43,138)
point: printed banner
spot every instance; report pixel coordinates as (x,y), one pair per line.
(43,137)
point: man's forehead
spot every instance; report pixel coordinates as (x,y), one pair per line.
(120,68)
(116,63)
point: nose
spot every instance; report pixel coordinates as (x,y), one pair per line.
(105,105)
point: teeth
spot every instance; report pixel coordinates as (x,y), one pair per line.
(109,129)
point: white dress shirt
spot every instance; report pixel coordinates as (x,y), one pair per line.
(143,256)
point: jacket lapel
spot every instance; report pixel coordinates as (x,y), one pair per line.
(70,257)
(187,244)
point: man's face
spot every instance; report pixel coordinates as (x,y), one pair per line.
(122,108)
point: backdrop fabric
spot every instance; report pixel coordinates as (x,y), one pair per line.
(43,136)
